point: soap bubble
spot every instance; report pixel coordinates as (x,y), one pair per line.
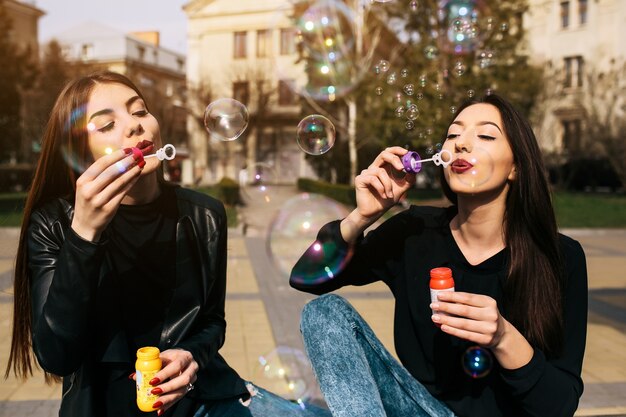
(478,171)
(226,119)
(463,17)
(431,52)
(327,40)
(286,371)
(292,234)
(383,65)
(477,362)
(315,134)
(379,91)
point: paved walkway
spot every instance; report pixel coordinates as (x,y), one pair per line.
(263,342)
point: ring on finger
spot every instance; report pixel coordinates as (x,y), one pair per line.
(190,387)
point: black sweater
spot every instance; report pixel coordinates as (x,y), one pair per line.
(401,253)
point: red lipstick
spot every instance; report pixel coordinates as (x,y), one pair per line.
(145,146)
(460,165)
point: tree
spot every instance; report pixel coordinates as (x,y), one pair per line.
(54,72)
(422,61)
(17,73)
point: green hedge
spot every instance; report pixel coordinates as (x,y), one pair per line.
(340,192)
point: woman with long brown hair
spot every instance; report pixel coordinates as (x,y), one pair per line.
(520,286)
(111,258)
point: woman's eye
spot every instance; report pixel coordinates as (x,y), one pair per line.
(140,113)
(106,127)
(452,135)
(486,137)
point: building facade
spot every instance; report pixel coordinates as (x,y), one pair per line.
(245,50)
(159,73)
(579,45)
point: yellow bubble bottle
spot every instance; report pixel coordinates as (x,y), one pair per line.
(147,365)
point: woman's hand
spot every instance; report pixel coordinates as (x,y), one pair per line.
(178,373)
(476,318)
(100,190)
(378,188)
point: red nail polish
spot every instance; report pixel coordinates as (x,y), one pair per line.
(157,404)
(131,376)
(155,381)
(128,151)
(156,391)
(141,163)
(160,412)
(137,154)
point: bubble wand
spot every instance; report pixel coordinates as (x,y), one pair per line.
(413,164)
(167,152)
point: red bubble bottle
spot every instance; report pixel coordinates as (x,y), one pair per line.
(440,280)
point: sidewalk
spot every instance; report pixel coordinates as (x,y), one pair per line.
(263,314)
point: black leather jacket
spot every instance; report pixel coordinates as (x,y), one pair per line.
(69,276)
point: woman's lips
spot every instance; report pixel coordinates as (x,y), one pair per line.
(145,146)
(460,165)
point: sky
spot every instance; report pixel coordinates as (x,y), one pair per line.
(165,16)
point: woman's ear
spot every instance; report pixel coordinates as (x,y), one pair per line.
(513,174)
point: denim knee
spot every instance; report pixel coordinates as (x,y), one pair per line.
(322,310)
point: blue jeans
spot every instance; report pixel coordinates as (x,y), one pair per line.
(357,375)
(262,404)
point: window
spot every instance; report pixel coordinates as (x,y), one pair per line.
(86,51)
(564,14)
(286,95)
(572,135)
(141,52)
(287,41)
(263,43)
(241,92)
(574,71)
(582,11)
(240,47)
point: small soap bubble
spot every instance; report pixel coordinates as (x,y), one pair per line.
(453,109)
(477,362)
(409,89)
(471,93)
(383,65)
(485,58)
(459,68)
(315,134)
(413,6)
(431,52)
(419,95)
(404,73)
(379,91)
(399,111)
(412,112)
(391,78)
(423,81)
(226,119)
(410,125)
(504,27)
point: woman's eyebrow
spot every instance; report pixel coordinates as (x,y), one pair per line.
(128,103)
(460,123)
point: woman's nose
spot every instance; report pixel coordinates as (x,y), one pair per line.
(134,128)
(463,143)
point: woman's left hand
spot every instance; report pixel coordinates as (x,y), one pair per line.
(178,375)
(472,317)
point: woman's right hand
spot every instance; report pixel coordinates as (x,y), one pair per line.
(378,188)
(100,190)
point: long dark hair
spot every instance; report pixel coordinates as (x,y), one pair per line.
(64,152)
(535,282)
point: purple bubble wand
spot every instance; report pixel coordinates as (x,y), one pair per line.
(413,163)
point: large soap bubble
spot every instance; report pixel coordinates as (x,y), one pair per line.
(293,232)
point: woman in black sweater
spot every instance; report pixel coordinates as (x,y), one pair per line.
(520,286)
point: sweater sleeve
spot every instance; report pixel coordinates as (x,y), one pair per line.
(330,263)
(64,276)
(552,387)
